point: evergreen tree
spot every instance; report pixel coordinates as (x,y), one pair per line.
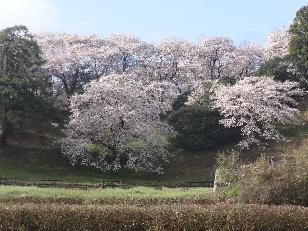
(298,47)
(24,88)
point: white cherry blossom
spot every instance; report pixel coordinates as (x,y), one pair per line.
(256,105)
(116,123)
(277,43)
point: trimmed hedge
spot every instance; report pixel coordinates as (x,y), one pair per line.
(187,217)
(113,201)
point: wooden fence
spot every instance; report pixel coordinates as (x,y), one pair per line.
(106,184)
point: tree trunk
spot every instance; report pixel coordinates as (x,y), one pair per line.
(3,133)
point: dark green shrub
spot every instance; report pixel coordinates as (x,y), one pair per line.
(226,80)
(278,68)
(180,101)
(198,128)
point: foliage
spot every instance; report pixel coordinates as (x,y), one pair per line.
(180,101)
(219,57)
(279,68)
(72,61)
(253,104)
(248,59)
(268,180)
(25,91)
(299,41)
(120,90)
(232,190)
(285,182)
(277,44)
(188,217)
(256,104)
(228,164)
(75,60)
(226,80)
(117,112)
(279,57)
(198,128)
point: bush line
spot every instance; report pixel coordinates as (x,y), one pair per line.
(185,217)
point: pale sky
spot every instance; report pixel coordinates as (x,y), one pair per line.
(151,20)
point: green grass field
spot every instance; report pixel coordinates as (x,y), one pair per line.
(93,194)
(137,196)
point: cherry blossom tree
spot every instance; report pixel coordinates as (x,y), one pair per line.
(278,61)
(73,61)
(216,55)
(128,52)
(256,104)
(116,123)
(175,63)
(247,60)
(277,43)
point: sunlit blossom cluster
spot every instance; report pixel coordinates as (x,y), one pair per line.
(256,104)
(277,43)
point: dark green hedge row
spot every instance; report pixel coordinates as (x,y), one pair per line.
(211,217)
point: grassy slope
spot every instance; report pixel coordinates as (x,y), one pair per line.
(32,160)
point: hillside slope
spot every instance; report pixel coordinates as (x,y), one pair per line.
(32,159)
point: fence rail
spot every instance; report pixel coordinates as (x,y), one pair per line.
(105,184)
